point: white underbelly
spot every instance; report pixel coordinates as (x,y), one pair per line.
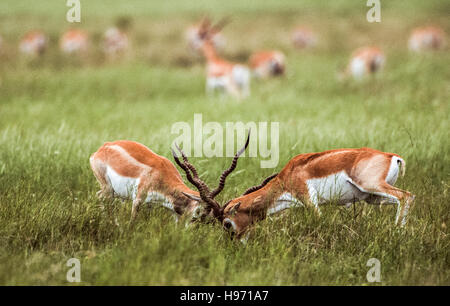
(334,188)
(124,187)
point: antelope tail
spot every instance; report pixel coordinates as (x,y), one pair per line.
(402,166)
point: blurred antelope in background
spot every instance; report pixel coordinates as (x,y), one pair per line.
(363,62)
(74,41)
(426,38)
(194,38)
(115,39)
(130,170)
(115,42)
(34,43)
(303,37)
(266,64)
(222,75)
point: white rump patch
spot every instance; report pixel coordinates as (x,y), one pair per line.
(394,170)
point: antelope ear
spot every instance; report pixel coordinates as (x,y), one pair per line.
(192,197)
(235,208)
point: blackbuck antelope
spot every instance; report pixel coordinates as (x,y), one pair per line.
(130,170)
(194,38)
(74,41)
(34,43)
(363,62)
(265,64)
(222,75)
(303,37)
(115,42)
(342,176)
(426,38)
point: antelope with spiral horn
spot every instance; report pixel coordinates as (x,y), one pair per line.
(342,176)
(129,170)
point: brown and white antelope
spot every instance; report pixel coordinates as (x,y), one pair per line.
(303,37)
(194,38)
(342,176)
(130,170)
(34,43)
(74,41)
(426,38)
(365,61)
(222,75)
(265,64)
(115,42)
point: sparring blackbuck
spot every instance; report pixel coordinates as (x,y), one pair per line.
(130,170)
(365,61)
(222,75)
(342,176)
(266,64)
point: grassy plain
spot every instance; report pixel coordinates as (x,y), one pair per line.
(55,111)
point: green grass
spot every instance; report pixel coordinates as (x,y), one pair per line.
(56,111)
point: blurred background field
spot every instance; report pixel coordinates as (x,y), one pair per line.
(56,110)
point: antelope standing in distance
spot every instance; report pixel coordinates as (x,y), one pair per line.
(426,38)
(364,61)
(74,41)
(33,43)
(342,176)
(228,77)
(194,38)
(303,37)
(266,64)
(130,170)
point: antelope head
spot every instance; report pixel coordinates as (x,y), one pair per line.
(207,30)
(238,214)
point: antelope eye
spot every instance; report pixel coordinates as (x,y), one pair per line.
(227,225)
